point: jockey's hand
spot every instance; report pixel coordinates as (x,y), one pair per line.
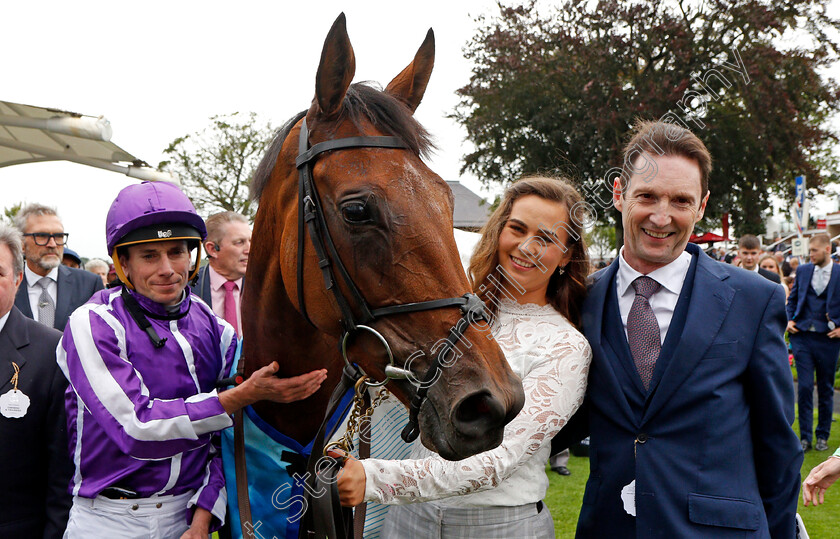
(820,478)
(791,327)
(200,527)
(263,385)
(351,481)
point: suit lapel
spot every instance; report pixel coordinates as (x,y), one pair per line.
(832,280)
(13,337)
(706,313)
(803,281)
(22,299)
(62,301)
(596,302)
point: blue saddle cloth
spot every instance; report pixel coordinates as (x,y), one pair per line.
(273,461)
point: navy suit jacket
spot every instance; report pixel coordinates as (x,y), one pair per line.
(710,445)
(75,287)
(201,287)
(35,466)
(796,298)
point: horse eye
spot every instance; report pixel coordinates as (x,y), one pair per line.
(355,212)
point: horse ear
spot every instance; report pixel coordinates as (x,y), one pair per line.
(336,70)
(410,85)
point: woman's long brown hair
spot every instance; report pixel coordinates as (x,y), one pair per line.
(565,292)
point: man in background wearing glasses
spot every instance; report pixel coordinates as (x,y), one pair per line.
(52,291)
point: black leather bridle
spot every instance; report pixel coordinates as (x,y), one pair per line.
(310,212)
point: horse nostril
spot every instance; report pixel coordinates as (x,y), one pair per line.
(477,413)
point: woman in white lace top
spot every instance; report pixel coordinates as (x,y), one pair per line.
(530,268)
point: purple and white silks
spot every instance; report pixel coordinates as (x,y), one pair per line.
(143,418)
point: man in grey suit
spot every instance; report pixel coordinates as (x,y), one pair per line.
(50,292)
(35,466)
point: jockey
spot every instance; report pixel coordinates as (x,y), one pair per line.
(143,360)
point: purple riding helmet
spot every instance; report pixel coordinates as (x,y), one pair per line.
(152,211)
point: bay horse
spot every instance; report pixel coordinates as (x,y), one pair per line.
(390,219)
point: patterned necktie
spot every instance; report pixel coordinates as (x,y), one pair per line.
(820,283)
(46,306)
(230,305)
(643,329)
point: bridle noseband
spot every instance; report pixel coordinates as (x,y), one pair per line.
(310,212)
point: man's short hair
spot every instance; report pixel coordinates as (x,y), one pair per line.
(12,239)
(657,138)
(216,223)
(32,209)
(821,238)
(94,263)
(748,241)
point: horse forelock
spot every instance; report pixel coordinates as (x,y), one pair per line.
(362,102)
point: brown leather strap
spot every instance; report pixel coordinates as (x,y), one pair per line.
(241,476)
(364,452)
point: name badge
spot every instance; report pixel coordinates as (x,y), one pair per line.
(14,404)
(628,498)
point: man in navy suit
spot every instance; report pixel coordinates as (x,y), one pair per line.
(50,291)
(690,397)
(813,310)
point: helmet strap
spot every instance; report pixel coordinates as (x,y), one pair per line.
(119,270)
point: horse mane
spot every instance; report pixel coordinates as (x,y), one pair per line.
(362,101)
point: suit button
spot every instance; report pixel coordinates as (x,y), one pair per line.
(135,507)
(158,505)
(642,438)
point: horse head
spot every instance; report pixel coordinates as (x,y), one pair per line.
(390,219)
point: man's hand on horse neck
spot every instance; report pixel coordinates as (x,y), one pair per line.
(263,385)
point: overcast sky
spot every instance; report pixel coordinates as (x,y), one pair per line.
(158,70)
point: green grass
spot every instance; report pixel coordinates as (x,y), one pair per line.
(565,493)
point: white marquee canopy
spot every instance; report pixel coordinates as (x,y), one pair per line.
(31,134)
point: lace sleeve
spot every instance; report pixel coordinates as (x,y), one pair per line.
(554,390)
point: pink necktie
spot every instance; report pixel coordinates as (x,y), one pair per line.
(230,305)
(643,329)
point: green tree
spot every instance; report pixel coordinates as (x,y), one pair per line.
(216,164)
(10,213)
(601,242)
(558,88)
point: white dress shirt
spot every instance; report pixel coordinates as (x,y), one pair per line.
(663,301)
(34,290)
(3,320)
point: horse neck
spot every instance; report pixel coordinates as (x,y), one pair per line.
(274,330)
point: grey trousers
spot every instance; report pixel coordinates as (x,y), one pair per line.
(426,521)
(560,459)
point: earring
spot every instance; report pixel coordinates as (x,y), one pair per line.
(561,270)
